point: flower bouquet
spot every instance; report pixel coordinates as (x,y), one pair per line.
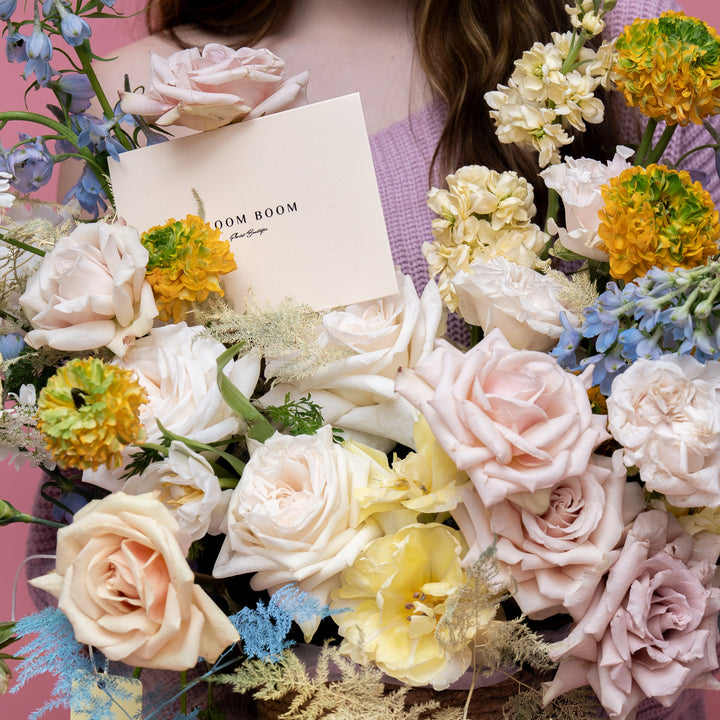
(340,511)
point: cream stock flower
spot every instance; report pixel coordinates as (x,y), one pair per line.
(650,628)
(666,415)
(512,419)
(293,516)
(356,392)
(207,89)
(122,580)
(90,291)
(392,598)
(524,304)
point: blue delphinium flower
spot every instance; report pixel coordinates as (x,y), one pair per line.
(7,8)
(16,47)
(11,345)
(74,29)
(30,164)
(75,91)
(89,193)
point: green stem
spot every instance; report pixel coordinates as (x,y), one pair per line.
(476,335)
(136,672)
(646,142)
(22,246)
(577,44)
(656,153)
(85,56)
(684,156)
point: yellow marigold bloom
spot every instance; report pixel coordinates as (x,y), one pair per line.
(669,68)
(186,259)
(394,595)
(656,216)
(88,412)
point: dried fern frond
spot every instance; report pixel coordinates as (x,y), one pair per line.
(580,704)
(358,694)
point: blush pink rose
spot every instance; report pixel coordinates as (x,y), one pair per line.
(218,86)
(548,548)
(514,420)
(122,580)
(650,629)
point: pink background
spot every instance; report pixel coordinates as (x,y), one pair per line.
(19,488)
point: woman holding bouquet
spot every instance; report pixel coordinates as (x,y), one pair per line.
(422,68)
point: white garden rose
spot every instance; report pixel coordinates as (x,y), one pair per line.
(177,367)
(666,415)
(90,291)
(578,182)
(524,304)
(186,484)
(294,518)
(356,392)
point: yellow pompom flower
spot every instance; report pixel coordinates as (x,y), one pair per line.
(88,412)
(669,68)
(393,597)
(186,259)
(656,216)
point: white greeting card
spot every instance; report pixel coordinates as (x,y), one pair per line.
(294,192)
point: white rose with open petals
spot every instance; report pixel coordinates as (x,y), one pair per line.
(177,367)
(218,86)
(548,541)
(122,580)
(666,415)
(357,392)
(186,484)
(524,304)
(578,182)
(293,516)
(513,420)
(90,291)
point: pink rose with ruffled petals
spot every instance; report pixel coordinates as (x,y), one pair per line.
(218,86)
(548,541)
(514,420)
(650,629)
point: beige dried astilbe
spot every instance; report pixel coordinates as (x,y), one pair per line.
(579,704)
(359,693)
(286,332)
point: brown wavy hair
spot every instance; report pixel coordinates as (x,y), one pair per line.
(466,48)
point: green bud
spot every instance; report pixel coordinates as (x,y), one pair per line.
(8,513)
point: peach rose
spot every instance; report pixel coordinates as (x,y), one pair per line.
(124,584)
(218,86)
(651,626)
(514,420)
(90,291)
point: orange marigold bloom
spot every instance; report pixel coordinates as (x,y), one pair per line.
(656,216)
(187,258)
(89,411)
(669,68)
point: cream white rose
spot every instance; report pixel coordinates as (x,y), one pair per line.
(293,516)
(122,580)
(186,484)
(177,367)
(524,304)
(666,415)
(90,291)
(217,86)
(578,182)
(357,392)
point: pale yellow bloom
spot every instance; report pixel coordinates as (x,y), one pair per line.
(394,595)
